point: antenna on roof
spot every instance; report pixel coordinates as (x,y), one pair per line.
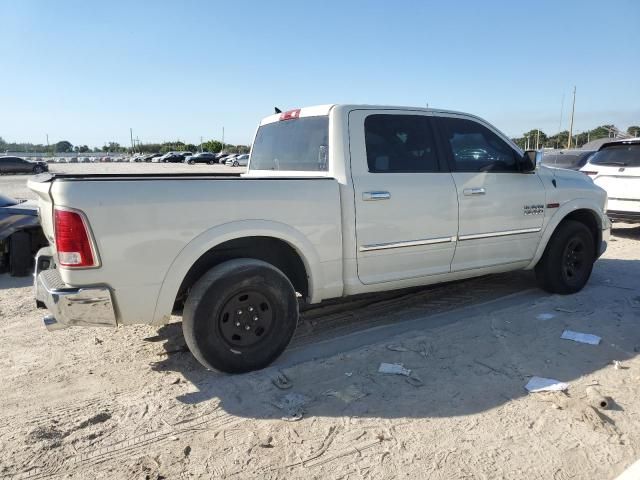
(277,110)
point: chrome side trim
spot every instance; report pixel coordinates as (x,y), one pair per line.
(504,233)
(625,199)
(410,243)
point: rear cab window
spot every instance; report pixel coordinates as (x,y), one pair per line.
(623,155)
(295,144)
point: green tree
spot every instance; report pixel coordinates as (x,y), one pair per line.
(213,146)
(64,146)
(632,130)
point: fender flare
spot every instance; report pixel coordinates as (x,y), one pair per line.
(219,234)
(562,212)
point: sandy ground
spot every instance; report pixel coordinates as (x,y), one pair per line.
(132,402)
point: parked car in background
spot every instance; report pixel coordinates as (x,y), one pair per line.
(51,160)
(61,160)
(220,156)
(20,235)
(202,157)
(238,161)
(85,160)
(20,165)
(616,168)
(226,158)
(72,160)
(573,159)
(149,157)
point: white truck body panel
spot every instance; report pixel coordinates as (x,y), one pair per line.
(149,231)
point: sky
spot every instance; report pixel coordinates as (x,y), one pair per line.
(87,72)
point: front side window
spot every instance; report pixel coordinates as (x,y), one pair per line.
(475,148)
(400,143)
(299,144)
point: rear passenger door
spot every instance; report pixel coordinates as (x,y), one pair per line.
(501,210)
(405,198)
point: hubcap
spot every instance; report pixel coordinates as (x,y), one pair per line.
(245,319)
(574,259)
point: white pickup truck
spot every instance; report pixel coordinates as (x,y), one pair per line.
(338,200)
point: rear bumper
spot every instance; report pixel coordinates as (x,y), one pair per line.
(70,306)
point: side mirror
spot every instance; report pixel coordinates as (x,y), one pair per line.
(528,161)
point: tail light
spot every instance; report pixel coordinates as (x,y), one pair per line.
(290,115)
(73,240)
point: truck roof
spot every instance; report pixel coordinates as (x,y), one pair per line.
(319,110)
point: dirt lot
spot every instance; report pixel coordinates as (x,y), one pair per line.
(132,403)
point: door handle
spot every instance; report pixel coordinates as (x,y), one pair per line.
(373,196)
(474,191)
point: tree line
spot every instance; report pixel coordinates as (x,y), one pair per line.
(64,146)
(560,140)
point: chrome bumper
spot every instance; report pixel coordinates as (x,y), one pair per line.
(70,306)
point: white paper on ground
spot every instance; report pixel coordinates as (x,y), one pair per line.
(394,369)
(541,384)
(545,316)
(581,337)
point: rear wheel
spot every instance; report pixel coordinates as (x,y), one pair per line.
(240,316)
(191,162)
(211,162)
(568,259)
(20,254)
(38,169)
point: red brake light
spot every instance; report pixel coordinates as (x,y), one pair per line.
(72,240)
(290,115)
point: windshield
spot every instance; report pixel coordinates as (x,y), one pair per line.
(623,155)
(300,144)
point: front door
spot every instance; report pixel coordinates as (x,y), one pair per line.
(405,198)
(501,210)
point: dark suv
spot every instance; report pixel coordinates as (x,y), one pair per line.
(203,157)
(20,165)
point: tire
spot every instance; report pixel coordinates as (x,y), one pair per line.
(240,316)
(38,169)
(236,164)
(20,254)
(567,262)
(191,162)
(211,162)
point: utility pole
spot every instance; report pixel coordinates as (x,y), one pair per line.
(573,110)
(222,140)
(560,124)
(48,148)
(131,132)
(537,139)
(200,144)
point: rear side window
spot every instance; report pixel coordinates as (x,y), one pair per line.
(618,155)
(300,144)
(400,143)
(475,148)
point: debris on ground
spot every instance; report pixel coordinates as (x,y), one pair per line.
(292,404)
(397,348)
(596,399)
(565,310)
(281,381)
(581,337)
(348,394)
(545,316)
(394,369)
(541,384)
(618,365)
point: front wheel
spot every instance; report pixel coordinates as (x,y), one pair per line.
(240,316)
(568,259)
(191,162)
(211,162)
(38,169)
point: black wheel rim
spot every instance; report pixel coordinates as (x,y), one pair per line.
(245,319)
(574,259)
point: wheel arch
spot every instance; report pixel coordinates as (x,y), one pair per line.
(278,244)
(583,211)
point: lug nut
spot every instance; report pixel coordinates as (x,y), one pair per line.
(255,318)
(237,324)
(250,309)
(239,312)
(247,327)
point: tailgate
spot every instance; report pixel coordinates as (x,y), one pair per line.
(620,186)
(41,185)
